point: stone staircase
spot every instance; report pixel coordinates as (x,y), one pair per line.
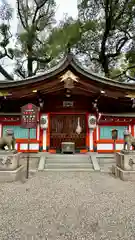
(76,162)
(65,162)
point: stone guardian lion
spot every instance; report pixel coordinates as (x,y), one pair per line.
(128,142)
(9,141)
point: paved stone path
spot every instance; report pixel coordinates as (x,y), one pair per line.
(67,205)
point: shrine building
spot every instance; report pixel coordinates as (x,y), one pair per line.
(68,95)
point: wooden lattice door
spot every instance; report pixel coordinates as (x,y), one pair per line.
(63,129)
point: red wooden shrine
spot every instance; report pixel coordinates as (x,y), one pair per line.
(65,96)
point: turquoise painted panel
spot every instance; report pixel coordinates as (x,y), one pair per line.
(21,132)
(105,131)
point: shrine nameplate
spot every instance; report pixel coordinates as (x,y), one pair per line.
(29,116)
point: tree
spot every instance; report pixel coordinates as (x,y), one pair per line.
(127,72)
(36,18)
(68,33)
(65,34)
(114,20)
(99,36)
(5,36)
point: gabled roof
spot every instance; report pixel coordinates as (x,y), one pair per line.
(69,60)
(49,82)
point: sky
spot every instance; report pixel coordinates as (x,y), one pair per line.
(63,7)
(66,6)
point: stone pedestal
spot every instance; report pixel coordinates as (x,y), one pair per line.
(10,167)
(125,165)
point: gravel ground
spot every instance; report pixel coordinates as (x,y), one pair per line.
(67,205)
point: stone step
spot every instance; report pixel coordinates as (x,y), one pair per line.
(69,170)
(67,165)
(69,160)
(105,155)
(103,161)
(67,156)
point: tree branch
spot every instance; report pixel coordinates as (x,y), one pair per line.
(124,72)
(37,9)
(121,43)
(122,12)
(36,69)
(39,41)
(5,73)
(41,60)
(5,54)
(130,78)
(95,59)
(19,71)
(119,46)
(19,13)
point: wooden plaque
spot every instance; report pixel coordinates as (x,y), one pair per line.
(29,116)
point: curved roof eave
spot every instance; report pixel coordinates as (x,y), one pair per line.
(100,79)
(68,60)
(41,77)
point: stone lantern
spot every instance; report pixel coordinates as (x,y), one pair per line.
(114,137)
(114,134)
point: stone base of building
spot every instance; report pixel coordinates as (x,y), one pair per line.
(10,167)
(125,165)
(123,175)
(11,176)
(131,152)
(126,160)
(9,160)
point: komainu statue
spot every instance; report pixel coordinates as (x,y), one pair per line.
(129,141)
(7,141)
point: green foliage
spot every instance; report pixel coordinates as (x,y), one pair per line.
(100,35)
(69,32)
(115,20)
(35,21)
(115,72)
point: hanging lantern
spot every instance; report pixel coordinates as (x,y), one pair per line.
(92,122)
(41,102)
(44,121)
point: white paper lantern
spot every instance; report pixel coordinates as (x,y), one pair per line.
(92,122)
(44,121)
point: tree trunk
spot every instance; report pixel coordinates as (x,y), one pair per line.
(105,65)
(30,67)
(29,61)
